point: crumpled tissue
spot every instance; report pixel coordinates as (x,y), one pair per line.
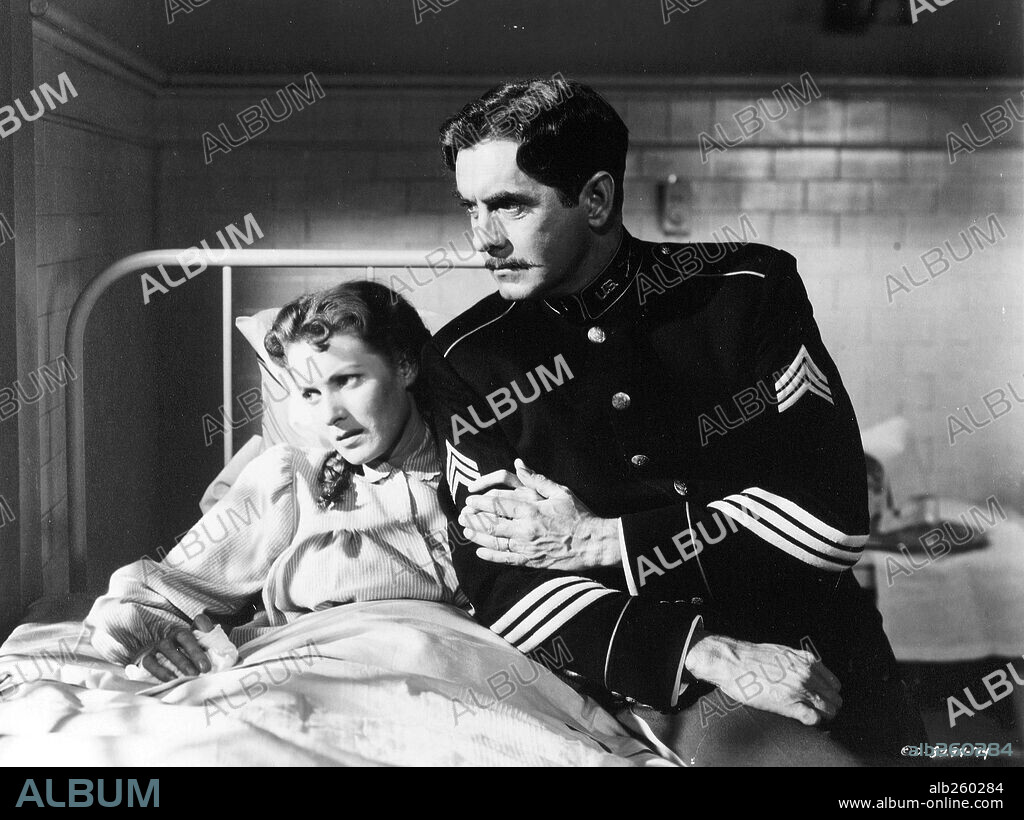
(222,653)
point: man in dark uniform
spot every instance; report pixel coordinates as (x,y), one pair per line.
(653,469)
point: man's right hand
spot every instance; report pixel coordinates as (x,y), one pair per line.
(766,676)
(181,649)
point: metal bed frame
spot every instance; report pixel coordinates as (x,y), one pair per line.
(74,343)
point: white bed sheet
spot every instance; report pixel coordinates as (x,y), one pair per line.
(379,683)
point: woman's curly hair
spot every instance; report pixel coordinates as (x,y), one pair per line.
(374,313)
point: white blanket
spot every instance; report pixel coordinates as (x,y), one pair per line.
(379,683)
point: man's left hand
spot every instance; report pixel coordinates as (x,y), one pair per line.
(538,523)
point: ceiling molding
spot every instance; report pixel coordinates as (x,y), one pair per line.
(124,134)
(61,29)
(444,83)
(55,26)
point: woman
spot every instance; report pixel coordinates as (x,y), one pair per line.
(308,529)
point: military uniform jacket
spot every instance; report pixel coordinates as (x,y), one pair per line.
(686,392)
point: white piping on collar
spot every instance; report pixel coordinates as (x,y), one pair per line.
(474,330)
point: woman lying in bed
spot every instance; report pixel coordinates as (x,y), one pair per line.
(308,529)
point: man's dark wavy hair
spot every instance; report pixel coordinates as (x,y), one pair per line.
(566,131)
(374,313)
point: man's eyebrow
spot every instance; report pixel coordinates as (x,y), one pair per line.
(498,200)
(508,198)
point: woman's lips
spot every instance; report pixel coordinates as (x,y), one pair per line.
(345,436)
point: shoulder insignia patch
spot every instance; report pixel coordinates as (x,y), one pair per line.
(459,469)
(802,376)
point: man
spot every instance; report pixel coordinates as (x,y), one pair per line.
(661,542)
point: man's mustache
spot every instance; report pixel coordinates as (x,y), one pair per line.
(507,264)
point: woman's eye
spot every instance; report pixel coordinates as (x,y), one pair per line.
(310,395)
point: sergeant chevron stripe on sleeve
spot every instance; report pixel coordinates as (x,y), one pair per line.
(533,618)
(792,529)
(460,469)
(802,376)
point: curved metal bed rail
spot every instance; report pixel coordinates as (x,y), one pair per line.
(226,259)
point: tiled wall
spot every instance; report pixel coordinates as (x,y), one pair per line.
(856,184)
(94,204)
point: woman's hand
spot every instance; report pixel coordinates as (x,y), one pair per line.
(181,650)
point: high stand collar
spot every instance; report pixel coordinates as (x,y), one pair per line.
(595,298)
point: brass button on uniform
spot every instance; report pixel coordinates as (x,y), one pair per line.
(620,401)
(696,602)
(665,249)
(640,460)
(680,487)
(596,335)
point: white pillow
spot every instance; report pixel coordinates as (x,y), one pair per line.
(886,440)
(284,415)
(225,478)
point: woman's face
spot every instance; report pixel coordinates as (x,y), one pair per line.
(359,395)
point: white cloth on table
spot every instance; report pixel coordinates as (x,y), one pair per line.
(958,607)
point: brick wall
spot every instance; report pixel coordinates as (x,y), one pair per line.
(856,184)
(94,204)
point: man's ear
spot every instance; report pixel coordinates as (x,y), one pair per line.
(598,199)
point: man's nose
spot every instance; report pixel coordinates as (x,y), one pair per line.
(488,234)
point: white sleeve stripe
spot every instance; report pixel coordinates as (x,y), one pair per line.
(803,361)
(777,540)
(793,366)
(523,605)
(455,481)
(626,568)
(547,608)
(455,454)
(560,620)
(798,536)
(806,367)
(460,470)
(805,387)
(811,366)
(461,465)
(815,369)
(804,376)
(807,374)
(805,518)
